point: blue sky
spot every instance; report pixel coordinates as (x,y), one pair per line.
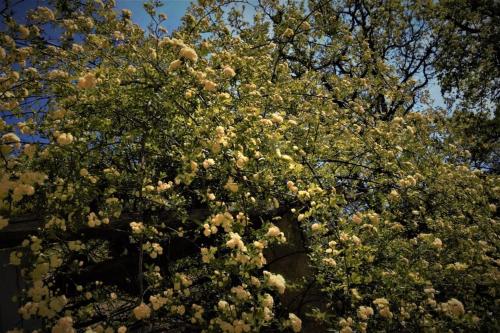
(173,8)
(436,95)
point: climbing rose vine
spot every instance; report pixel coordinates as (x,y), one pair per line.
(273,174)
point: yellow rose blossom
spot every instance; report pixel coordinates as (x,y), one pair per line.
(174,65)
(228,72)
(87,81)
(453,308)
(64,325)
(275,281)
(295,322)
(188,53)
(23,32)
(208,163)
(365,312)
(231,185)
(305,25)
(44,14)
(235,242)
(64,139)
(209,85)
(137,227)
(288,33)
(316,227)
(142,311)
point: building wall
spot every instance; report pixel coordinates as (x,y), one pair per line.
(10,285)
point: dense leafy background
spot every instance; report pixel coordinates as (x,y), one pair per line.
(278,173)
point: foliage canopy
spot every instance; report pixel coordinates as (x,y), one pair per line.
(170,173)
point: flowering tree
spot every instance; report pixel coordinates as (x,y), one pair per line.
(170,172)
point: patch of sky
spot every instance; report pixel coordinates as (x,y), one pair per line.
(174,9)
